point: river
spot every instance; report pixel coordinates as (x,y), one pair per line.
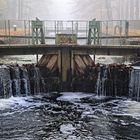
(70,116)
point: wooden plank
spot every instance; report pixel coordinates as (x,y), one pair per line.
(50,61)
(82,62)
(80,65)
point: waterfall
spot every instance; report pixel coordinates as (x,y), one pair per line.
(35,79)
(5,82)
(25,83)
(98,87)
(15,79)
(134,86)
(18,81)
(105,80)
(101,81)
(113,80)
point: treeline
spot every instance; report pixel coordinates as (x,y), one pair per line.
(80,9)
(108,9)
(23,9)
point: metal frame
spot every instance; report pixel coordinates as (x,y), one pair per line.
(94,32)
(88,32)
(37,32)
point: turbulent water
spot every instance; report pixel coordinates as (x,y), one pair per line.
(70,116)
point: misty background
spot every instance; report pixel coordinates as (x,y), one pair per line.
(70,9)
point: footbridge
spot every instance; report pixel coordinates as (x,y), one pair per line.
(119,37)
(66,46)
(118,50)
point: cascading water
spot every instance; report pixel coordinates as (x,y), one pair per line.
(102,77)
(72,116)
(25,83)
(113,80)
(35,79)
(134,86)
(16,80)
(5,82)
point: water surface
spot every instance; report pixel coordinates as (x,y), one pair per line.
(72,116)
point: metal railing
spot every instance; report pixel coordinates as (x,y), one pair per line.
(117,32)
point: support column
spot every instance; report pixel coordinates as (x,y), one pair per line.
(66,60)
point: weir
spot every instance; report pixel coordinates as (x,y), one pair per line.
(30,79)
(111,80)
(67,65)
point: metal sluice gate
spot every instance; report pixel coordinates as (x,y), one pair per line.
(66,46)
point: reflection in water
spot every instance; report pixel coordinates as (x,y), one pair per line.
(75,118)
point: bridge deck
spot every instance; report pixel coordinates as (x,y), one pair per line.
(90,49)
(78,37)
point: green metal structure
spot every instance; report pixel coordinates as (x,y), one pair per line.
(94,32)
(37,32)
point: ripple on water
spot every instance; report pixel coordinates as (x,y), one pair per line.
(70,117)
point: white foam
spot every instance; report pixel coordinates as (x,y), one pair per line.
(67,128)
(133,108)
(136,124)
(136,67)
(3,66)
(17,101)
(73,96)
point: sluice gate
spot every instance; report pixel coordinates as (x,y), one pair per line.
(112,80)
(67,65)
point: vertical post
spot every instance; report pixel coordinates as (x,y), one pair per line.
(94,58)
(87,24)
(76,27)
(29,30)
(25,30)
(126,30)
(37,58)
(66,68)
(36,40)
(5,29)
(94,36)
(106,32)
(9,31)
(100,33)
(55,26)
(72,29)
(120,32)
(72,63)
(59,64)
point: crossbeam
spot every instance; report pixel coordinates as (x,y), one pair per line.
(80,37)
(119,50)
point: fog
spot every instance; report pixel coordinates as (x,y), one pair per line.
(70,9)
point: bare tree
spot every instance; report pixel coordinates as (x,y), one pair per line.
(3,7)
(108,9)
(137,2)
(131,9)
